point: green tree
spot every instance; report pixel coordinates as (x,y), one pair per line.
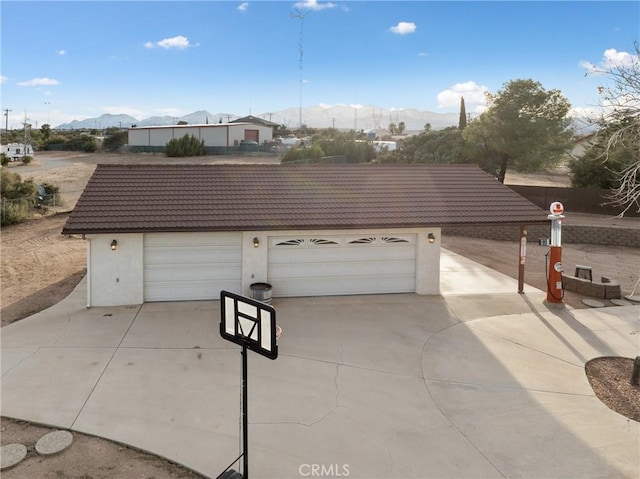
(392,128)
(187,145)
(17,197)
(401,127)
(462,122)
(525,127)
(115,140)
(427,127)
(440,146)
(46,132)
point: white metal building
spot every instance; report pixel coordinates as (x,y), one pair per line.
(214,135)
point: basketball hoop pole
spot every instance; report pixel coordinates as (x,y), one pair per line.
(245,419)
(252,325)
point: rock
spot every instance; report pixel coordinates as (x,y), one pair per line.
(12,454)
(54,442)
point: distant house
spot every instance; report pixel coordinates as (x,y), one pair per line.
(186,232)
(256,121)
(17,151)
(581,144)
(155,138)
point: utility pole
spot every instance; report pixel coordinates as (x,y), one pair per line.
(301,16)
(6,123)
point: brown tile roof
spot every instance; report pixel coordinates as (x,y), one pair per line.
(145,198)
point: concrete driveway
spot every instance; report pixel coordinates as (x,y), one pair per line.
(478,382)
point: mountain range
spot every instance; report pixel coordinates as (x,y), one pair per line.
(318,116)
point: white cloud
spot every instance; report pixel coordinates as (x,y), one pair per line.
(313,5)
(472,92)
(3,79)
(61,52)
(584,113)
(611,59)
(403,28)
(179,42)
(243,6)
(39,82)
(423,54)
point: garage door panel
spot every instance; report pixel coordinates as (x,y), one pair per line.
(338,286)
(341,269)
(361,253)
(172,255)
(191,239)
(171,291)
(191,266)
(201,273)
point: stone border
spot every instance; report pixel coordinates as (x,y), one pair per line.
(606,288)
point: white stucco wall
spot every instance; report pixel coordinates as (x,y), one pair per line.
(115,277)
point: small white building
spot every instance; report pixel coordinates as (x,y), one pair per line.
(17,151)
(384,146)
(155,138)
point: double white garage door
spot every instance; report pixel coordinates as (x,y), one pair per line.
(344,264)
(193,266)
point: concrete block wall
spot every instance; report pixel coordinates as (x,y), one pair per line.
(570,234)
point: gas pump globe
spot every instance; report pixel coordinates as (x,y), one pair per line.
(555,291)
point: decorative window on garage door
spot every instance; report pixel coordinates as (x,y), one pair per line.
(306,242)
(380,240)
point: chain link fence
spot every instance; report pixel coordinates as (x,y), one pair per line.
(16,210)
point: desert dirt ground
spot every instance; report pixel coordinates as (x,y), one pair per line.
(40,266)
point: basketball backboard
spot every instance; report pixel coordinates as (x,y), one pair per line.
(246,321)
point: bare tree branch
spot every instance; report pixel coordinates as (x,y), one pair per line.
(619,126)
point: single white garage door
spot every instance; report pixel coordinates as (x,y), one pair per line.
(191,266)
(345,264)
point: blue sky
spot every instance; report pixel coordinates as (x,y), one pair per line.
(65,60)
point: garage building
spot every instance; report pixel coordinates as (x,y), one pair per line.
(185,232)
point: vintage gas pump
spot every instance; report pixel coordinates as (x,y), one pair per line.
(555,291)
